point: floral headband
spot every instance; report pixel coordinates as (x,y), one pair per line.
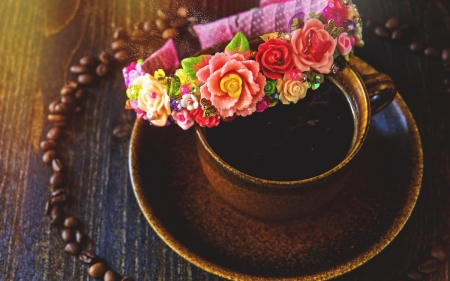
(239,81)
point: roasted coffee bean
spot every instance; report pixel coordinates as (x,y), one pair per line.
(47,145)
(48,207)
(57,179)
(80,93)
(447,81)
(111,275)
(392,23)
(414,275)
(118,45)
(163,14)
(381,31)
(59,195)
(138,25)
(86,79)
(55,134)
(69,100)
(120,33)
(447,66)
(97,270)
(80,68)
(127,278)
(431,52)
(446,235)
(56,165)
(56,118)
(71,222)
(155,33)
(67,91)
(89,61)
(121,56)
(77,109)
(178,22)
(72,248)
(106,57)
(79,236)
(122,132)
(416,47)
(88,257)
(170,33)
(102,69)
(68,235)
(183,12)
(48,156)
(138,36)
(148,25)
(62,108)
(52,105)
(438,252)
(57,215)
(445,56)
(428,265)
(397,35)
(161,24)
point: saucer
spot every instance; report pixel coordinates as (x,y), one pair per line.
(172,192)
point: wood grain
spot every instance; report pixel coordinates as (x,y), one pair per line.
(42,39)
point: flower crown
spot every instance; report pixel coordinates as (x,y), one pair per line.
(239,81)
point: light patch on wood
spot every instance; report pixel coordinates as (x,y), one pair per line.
(63,13)
(37,120)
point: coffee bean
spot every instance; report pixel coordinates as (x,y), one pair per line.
(120,33)
(122,132)
(392,23)
(62,108)
(446,235)
(59,195)
(56,118)
(68,235)
(48,156)
(161,24)
(111,275)
(48,207)
(447,81)
(438,252)
(77,109)
(119,45)
(88,257)
(431,52)
(89,61)
(79,236)
(55,134)
(447,66)
(416,47)
(138,25)
(102,69)
(69,100)
(397,35)
(445,56)
(382,32)
(72,248)
(47,145)
(86,79)
(170,33)
(183,12)
(127,278)
(56,165)
(155,33)
(178,22)
(78,69)
(414,275)
(121,56)
(67,91)
(97,270)
(138,36)
(163,14)
(52,105)
(71,222)
(148,25)
(428,265)
(57,179)
(448,90)
(57,215)
(106,57)
(80,93)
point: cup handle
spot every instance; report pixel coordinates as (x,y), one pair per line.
(380,86)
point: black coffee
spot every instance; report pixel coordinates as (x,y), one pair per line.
(288,142)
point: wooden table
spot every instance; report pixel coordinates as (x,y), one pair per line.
(40,40)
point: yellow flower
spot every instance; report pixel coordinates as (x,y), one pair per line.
(184,79)
(232,85)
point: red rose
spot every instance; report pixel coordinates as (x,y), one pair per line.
(211,121)
(275,58)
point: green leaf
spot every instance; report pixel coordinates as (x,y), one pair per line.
(174,87)
(239,44)
(192,65)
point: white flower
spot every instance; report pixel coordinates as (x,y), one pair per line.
(189,101)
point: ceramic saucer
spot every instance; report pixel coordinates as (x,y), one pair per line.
(172,193)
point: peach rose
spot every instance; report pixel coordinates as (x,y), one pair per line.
(344,44)
(313,47)
(153,99)
(232,83)
(291,90)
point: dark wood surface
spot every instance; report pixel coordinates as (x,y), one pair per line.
(40,40)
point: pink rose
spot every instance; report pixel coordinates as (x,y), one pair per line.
(313,47)
(344,44)
(336,11)
(232,83)
(183,119)
(262,104)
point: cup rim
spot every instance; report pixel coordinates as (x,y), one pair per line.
(358,139)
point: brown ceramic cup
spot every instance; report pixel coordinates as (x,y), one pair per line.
(366,92)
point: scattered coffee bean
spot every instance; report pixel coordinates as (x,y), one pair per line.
(47,145)
(170,33)
(79,236)
(72,248)
(52,105)
(414,275)
(416,47)
(138,36)
(69,100)
(48,156)
(431,52)
(88,257)
(59,195)
(138,25)
(106,57)
(121,56)
(86,79)
(381,31)
(62,108)
(428,265)
(397,35)
(77,109)
(122,132)
(161,24)
(127,278)
(79,69)
(447,66)
(446,235)
(183,12)
(392,23)
(445,54)
(438,252)
(88,60)
(56,118)
(57,215)
(178,22)
(57,179)
(71,222)
(97,270)
(120,33)
(162,14)
(80,94)
(111,275)
(55,134)
(102,69)
(67,91)
(447,81)
(48,207)
(56,165)
(118,45)
(148,25)
(68,235)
